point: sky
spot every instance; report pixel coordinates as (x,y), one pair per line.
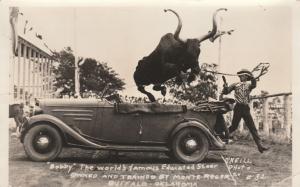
(122,35)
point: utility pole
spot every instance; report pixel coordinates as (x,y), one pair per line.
(77,83)
(221,33)
(219,83)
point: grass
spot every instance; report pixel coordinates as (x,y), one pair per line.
(272,138)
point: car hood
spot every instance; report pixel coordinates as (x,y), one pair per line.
(73,102)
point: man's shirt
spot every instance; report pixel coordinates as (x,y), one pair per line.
(241,91)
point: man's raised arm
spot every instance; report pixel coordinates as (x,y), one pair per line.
(227,89)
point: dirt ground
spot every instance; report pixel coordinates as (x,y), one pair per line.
(241,165)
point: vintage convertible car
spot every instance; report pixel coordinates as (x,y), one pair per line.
(185,133)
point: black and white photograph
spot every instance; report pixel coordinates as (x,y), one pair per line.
(156,93)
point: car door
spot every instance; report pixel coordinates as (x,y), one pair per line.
(119,128)
(157,127)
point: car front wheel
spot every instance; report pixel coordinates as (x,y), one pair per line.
(190,145)
(42,143)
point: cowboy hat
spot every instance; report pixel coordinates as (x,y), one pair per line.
(244,72)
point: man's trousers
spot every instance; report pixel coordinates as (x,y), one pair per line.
(243,111)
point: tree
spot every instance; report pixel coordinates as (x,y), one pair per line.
(96,77)
(258,103)
(202,88)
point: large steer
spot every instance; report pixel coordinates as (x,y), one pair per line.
(171,57)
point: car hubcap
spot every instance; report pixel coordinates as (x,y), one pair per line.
(191,145)
(42,142)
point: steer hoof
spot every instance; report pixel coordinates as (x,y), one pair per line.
(163,91)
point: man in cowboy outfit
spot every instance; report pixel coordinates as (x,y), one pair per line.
(241,110)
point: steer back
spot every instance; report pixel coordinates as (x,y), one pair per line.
(162,64)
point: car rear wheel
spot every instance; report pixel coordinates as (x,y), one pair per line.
(42,143)
(190,145)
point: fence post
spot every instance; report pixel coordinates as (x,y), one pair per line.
(19,70)
(24,72)
(12,77)
(287,115)
(265,116)
(43,76)
(29,84)
(39,75)
(253,114)
(34,73)
(47,78)
(51,78)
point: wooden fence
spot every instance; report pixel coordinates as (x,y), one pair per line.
(272,114)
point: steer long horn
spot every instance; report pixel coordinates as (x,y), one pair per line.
(214,29)
(179,26)
(220,33)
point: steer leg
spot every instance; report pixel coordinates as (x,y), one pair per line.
(150,96)
(161,88)
(157,87)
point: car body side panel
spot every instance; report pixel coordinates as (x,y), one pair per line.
(156,128)
(82,141)
(119,128)
(82,118)
(52,120)
(206,118)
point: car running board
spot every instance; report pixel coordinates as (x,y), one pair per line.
(123,148)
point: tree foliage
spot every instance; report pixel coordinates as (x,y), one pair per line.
(258,103)
(95,77)
(203,87)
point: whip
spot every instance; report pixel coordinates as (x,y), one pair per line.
(262,67)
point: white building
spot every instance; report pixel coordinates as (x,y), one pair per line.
(30,61)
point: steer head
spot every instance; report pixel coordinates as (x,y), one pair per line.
(191,47)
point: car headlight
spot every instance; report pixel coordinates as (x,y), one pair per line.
(36,110)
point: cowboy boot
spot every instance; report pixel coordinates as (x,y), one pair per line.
(261,148)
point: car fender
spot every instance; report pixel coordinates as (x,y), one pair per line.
(215,143)
(44,118)
(63,127)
